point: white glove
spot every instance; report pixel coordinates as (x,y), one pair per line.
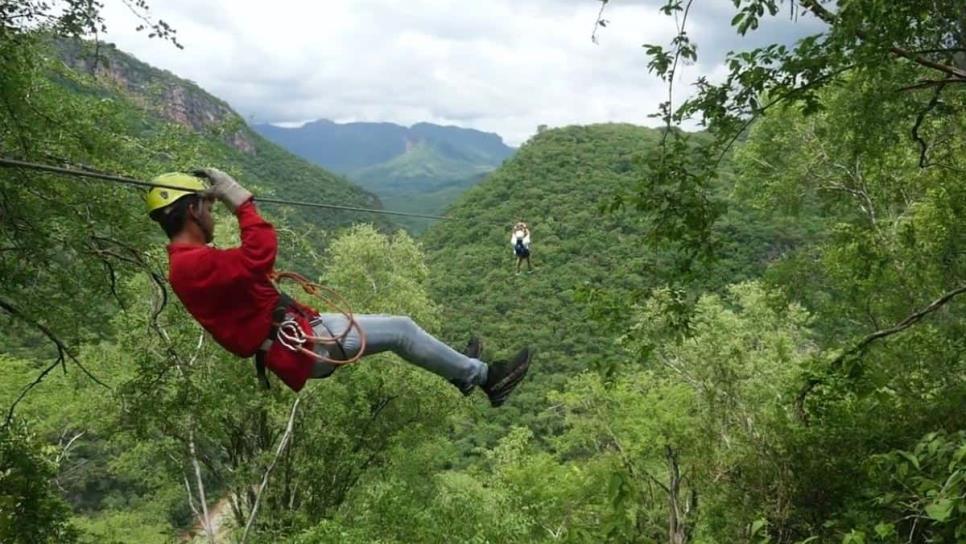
(225,188)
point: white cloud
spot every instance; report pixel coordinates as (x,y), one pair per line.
(498,65)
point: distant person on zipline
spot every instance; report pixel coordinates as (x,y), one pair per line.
(231,294)
(520,240)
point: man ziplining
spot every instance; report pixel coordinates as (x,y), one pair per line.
(230,293)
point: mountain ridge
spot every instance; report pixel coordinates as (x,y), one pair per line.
(165,98)
(347,147)
(421,168)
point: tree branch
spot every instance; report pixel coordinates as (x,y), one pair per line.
(922,61)
(674,68)
(819,11)
(599,21)
(923,146)
(632,469)
(65,451)
(902,325)
(754,115)
(62,355)
(286,437)
(191,498)
(31,385)
(927,83)
(112,275)
(863,344)
(828,17)
(206,519)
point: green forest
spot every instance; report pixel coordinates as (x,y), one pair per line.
(753,332)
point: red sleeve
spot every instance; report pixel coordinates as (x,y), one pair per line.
(259,244)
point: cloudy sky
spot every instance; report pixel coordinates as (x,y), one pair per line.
(503,66)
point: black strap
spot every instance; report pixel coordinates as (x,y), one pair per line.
(331,334)
(282,305)
(260,369)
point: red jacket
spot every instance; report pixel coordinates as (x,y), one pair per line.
(229,293)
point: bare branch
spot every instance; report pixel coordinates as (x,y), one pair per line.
(62,355)
(191,497)
(63,455)
(31,385)
(201,342)
(862,345)
(599,21)
(206,520)
(286,437)
(923,146)
(65,451)
(112,274)
(900,326)
(928,83)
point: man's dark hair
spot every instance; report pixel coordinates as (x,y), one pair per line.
(173,216)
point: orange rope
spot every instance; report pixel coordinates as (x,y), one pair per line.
(334,300)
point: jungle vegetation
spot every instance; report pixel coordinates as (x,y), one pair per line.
(755,333)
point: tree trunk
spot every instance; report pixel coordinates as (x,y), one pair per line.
(677,527)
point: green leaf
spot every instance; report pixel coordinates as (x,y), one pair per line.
(885,530)
(940,510)
(758,525)
(911,458)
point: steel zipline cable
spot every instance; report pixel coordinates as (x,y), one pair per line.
(14,163)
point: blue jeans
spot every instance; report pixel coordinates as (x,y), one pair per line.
(402,336)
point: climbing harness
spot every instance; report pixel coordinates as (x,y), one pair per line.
(287,331)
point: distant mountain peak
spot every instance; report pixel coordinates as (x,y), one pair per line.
(352,146)
(420,168)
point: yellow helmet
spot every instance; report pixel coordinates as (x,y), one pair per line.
(160,197)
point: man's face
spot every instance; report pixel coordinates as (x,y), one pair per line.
(206,222)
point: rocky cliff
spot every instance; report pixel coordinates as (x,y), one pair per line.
(165,94)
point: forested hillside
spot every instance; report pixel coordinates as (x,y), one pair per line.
(722,374)
(557,183)
(750,334)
